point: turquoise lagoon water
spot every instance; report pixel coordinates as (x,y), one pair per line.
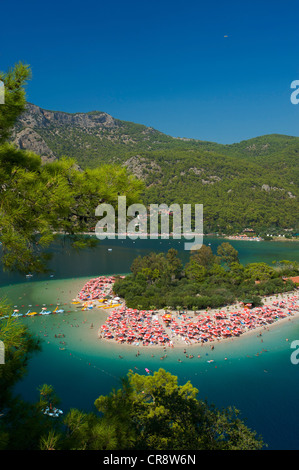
(253,373)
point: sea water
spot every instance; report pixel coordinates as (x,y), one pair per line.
(253,373)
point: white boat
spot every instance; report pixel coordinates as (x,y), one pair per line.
(16,313)
(54,412)
(44,311)
(58,310)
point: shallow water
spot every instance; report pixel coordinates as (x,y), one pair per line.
(252,373)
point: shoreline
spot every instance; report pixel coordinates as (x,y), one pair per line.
(255,239)
(170,237)
(100,315)
(170,328)
(180,344)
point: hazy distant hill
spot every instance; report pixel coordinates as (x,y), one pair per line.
(252,183)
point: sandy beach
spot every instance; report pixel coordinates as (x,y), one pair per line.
(132,329)
(248,370)
(173,329)
(182,343)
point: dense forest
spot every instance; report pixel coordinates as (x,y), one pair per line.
(207,280)
(252,184)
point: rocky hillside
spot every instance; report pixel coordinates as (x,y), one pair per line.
(94,137)
(91,138)
(37,129)
(252,183)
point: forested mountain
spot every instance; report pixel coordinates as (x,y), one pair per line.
(253,183)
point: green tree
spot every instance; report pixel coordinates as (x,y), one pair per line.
(175,265)
(38,200)
(166,416)
(19,347)
(259,272)
(48,397)
(236,273)
(86,431)
(195,271)
(117,411)
(15,98)
(204,257)
(227,254)
(21,423)
(50,442)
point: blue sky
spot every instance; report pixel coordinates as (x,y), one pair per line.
(165,64)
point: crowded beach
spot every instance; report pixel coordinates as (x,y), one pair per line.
(172,328)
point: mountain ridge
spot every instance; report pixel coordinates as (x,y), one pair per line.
(36,127)
(251,183)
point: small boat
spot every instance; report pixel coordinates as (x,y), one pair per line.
(16,313)
(31,314)
(44,311)
(53,412)
(58,310)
